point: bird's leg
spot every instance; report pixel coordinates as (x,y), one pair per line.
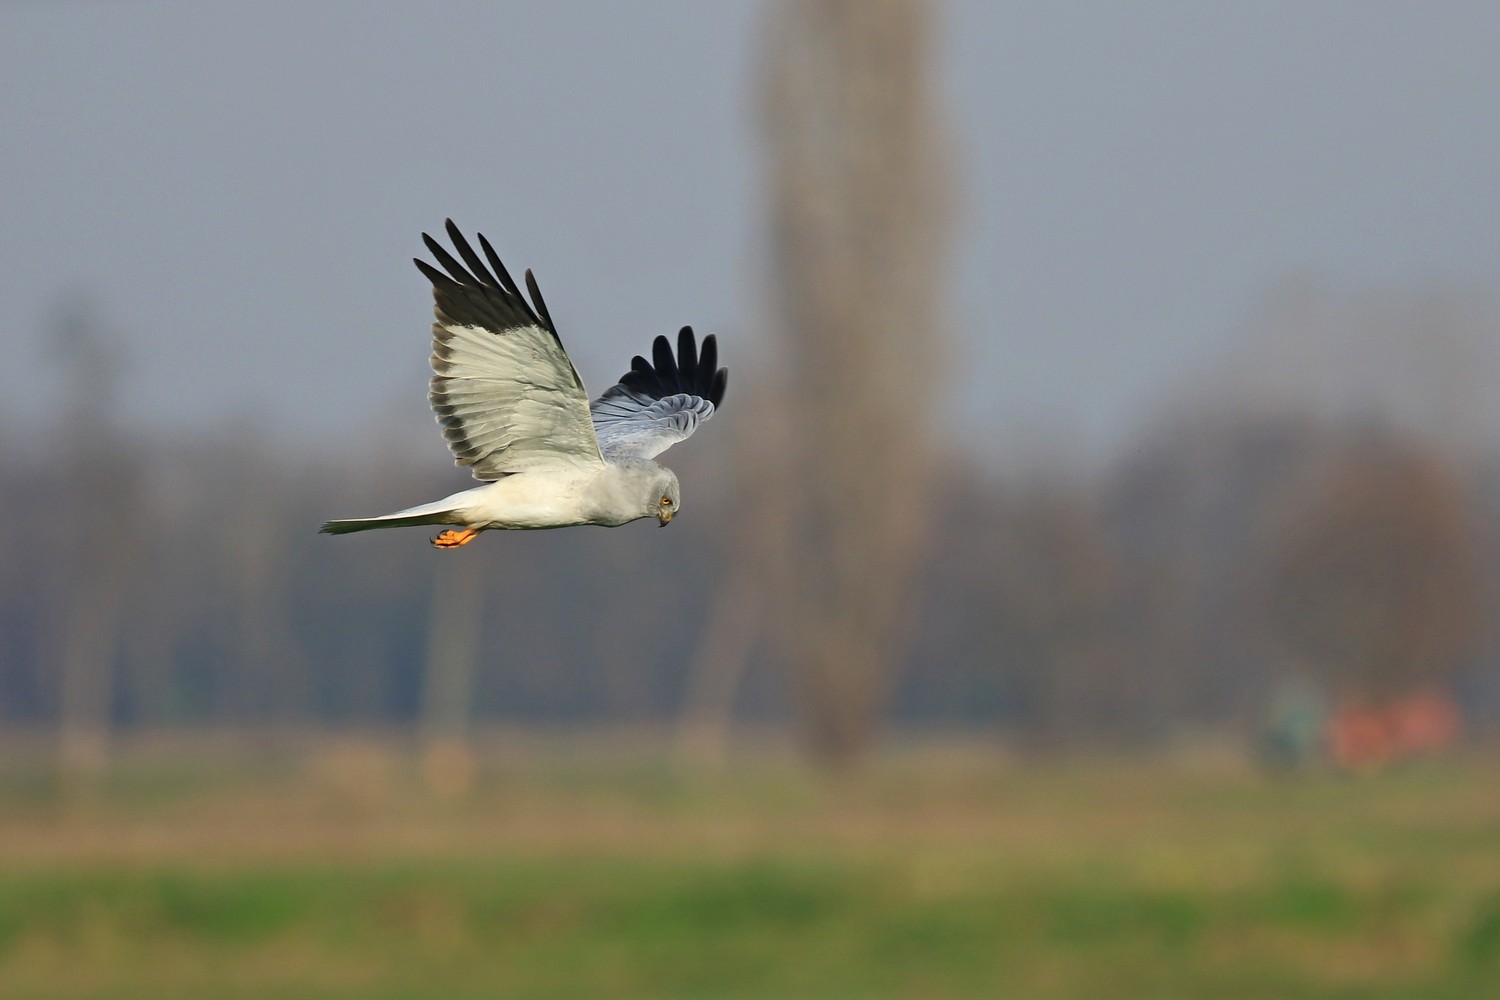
(451,539)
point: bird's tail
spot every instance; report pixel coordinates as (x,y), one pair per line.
(441,512)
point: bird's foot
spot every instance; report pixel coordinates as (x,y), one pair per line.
(451,539)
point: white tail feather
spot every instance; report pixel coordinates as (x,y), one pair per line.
(441,512)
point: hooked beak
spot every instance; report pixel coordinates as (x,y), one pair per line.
(664,517)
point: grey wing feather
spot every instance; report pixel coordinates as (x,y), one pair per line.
(503,389)
(660,402)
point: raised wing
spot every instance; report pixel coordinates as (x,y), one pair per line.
(504,390)
(655,406)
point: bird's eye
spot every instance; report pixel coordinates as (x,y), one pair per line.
(666,501)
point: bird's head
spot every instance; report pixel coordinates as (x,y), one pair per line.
(665,497)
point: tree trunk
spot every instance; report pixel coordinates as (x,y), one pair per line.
(860,209)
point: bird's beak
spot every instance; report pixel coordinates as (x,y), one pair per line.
(664,517)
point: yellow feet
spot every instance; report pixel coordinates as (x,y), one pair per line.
(451,539)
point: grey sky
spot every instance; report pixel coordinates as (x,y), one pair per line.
(241,186)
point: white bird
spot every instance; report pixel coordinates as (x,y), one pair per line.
(514,410)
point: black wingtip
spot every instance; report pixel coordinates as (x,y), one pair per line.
(471,292)
(642,378)
(537,302)
(708,360)
(476,266)
(687,352)
(438,278)
(694,370)
(716,389)
(666,365)
(450,263)
(506,281)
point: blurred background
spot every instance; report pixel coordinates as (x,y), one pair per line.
(1088,588)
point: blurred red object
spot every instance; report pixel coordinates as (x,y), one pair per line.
(1366,738)
(1428,722)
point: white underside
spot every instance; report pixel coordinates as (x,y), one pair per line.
(528,500)
(543,499)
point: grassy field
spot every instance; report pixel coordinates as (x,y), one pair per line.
(340,874)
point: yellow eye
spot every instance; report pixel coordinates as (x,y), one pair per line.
(666,501)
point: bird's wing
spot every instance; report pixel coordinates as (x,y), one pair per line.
(504,390)
(654,406)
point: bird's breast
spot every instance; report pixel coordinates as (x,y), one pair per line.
(534,500)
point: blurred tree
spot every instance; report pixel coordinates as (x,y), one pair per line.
(453,630)
(269,662)
(1376,577)
(719,662)
(860,209)
(751,530)
(1057,589)
(453,626)
(100,539)
(1187,512)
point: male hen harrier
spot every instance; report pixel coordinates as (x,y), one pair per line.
(514,410)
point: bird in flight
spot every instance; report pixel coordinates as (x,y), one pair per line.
(514,411)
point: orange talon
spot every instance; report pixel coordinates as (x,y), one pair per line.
(451,539)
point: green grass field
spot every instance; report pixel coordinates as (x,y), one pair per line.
(931,875)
